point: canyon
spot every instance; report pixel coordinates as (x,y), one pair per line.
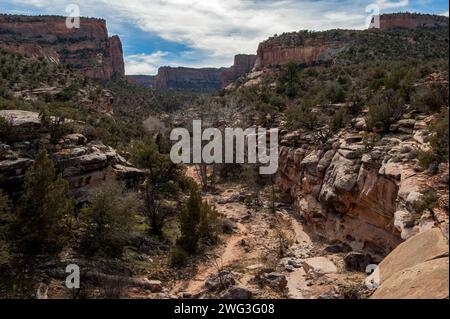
(341,204)
(88,49)
(196,79)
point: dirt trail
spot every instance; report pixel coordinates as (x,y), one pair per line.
(262,240)
(230,254)
(253,245)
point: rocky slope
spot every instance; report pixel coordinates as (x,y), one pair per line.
(409,21)
(88,49)
(192,79)
(83,164)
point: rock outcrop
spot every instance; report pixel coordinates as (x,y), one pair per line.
(362,195)
(193,79)
(88,48)
(417,268)
(83,164)
(408,21)
(243,63)
(333,46)
(188,79)
(297,48)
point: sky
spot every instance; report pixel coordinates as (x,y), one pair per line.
(208,33)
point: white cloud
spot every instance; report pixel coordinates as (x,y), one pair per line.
(218,29)
(385,4)
(444,13)
(144,63)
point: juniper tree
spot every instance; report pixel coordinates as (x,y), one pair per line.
(6,224)
(161,182)
(108,221)
(190,217)
(44,208)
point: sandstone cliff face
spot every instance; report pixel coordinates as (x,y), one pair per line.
(205,79)
(356,194)
(409,21)
(192,79)
(307,51)
(83,164)
(243,63)
(301,47)
(313,48)
(417,268)
(88,48)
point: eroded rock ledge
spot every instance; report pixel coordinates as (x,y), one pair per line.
(83,164)
(362,194)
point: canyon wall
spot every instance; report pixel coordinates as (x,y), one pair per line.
(362,195)
(310,48)
(297,48)
(196,79)
(409,21)
(243,63)
(85,165)
(88,49)
(204,79)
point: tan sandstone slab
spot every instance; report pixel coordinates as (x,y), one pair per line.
(425,246)
(427,280)
(319,265)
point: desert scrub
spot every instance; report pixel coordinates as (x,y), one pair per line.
(427,202)
(388,108)
(108,222)
(302,116)
(438,142)
(178,257)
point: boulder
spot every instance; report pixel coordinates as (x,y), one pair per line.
(355,261)
(236,293)
(423,247)
(427,280)
(276,280)
(220,281)
(152,285)
(75,139)
(319,265)
(310,162)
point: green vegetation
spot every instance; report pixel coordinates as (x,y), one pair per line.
(6,222)
(57,123)
(134,102)
(440,135)
(44,211)
(387,109)
(198,223)
(108,221)
(23,73)
(427,201)
(431,99)
(164,180)
(302,116)
(439,142)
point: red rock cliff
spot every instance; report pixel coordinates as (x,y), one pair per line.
(243,63)
(192,79)
(409,21)
(204,79)
(296,47)
(88,48)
